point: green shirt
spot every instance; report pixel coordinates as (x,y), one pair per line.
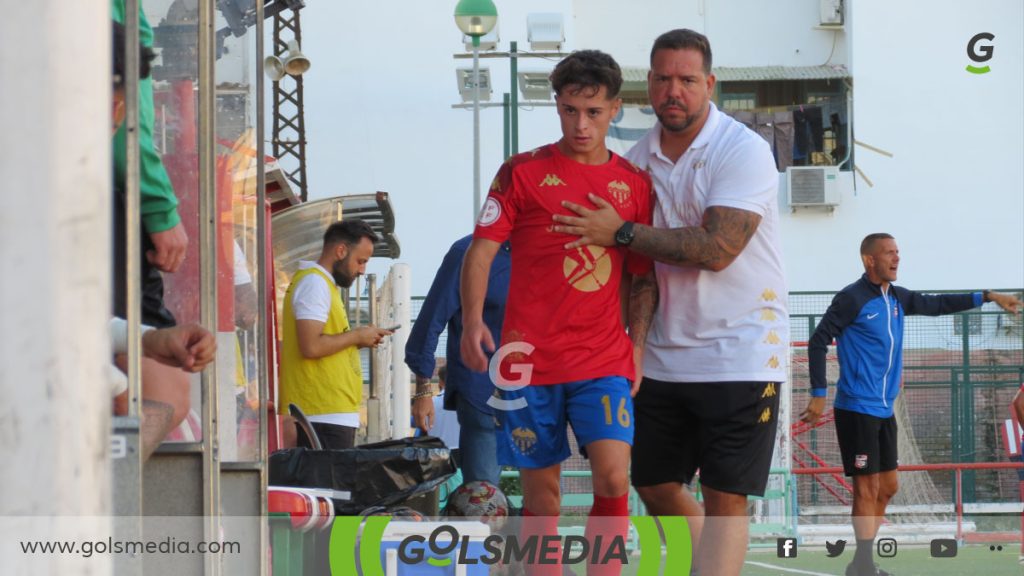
(159,205)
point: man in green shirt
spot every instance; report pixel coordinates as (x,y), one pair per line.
(165,240)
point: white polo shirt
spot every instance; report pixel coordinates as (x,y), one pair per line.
(731,325)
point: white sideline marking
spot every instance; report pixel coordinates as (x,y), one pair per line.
(793,570)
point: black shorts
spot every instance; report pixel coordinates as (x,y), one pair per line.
(154,313)
(867,443)
(724,429)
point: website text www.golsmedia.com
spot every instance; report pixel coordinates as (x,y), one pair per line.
(88,548)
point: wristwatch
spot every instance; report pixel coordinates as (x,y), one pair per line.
(624,235)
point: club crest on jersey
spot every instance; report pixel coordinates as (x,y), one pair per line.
(490,213)
(620,191)
(860,461)
(524,439)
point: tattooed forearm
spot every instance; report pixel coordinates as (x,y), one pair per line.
(643,300)
(157,418)
(713,245)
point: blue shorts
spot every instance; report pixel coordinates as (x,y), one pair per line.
(535,436)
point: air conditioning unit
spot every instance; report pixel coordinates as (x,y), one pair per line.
(831,12)
(811,186)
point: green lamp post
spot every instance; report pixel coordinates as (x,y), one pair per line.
(476,18)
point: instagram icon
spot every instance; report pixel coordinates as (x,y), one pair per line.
(886,547)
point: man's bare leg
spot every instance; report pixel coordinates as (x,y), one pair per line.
(165,401)
(674,499)
(609,516)
(723,543)
(865,518)
(542,503)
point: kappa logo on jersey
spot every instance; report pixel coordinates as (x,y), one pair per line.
(772,337)
(490,212)
(768,315)
(524,439)
(588,268)
(773,362)
(620,191)
(552,180)
(769,390)
(769,295)
(860,461)
(766,416)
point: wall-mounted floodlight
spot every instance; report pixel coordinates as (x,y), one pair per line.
(545,31)
(535,85)
(464,76)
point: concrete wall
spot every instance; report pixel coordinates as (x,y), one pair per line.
(379,118)
(54,251)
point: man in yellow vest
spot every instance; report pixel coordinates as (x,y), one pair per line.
(320,371)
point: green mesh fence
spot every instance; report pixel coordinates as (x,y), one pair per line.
(960,373)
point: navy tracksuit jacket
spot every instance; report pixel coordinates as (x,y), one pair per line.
(868,327)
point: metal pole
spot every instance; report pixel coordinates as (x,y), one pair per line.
(371,304)
(263,317)
(513,62)
(507,120)
(476,127)
(208,223)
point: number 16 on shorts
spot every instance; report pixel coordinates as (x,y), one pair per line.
(621,412)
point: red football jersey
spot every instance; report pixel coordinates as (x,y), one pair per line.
(564,303)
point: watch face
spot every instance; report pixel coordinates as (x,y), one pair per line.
(624,235)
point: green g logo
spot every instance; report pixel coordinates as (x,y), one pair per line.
(980,53)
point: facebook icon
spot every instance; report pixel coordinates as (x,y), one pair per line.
(786,547)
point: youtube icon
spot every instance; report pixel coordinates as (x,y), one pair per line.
(943,548)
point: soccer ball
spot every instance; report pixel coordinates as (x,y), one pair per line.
(479,500)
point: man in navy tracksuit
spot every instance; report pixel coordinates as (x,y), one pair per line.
(866,319)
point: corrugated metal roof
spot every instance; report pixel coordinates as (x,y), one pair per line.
(755,73)
(632,74)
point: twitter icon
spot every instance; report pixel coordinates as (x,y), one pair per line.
(836,549)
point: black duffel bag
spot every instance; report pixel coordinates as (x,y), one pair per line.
(379,474)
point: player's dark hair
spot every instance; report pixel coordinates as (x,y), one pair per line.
(351,232)
(146,56)
(684,39)
(587,70)
(867,245)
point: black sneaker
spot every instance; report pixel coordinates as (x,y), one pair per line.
(853,570)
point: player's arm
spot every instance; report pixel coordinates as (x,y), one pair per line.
(714,245)
(840,314)
(722,235)
(475,334)
(313,343)
(643,301)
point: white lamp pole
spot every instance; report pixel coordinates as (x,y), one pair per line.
(476,18)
